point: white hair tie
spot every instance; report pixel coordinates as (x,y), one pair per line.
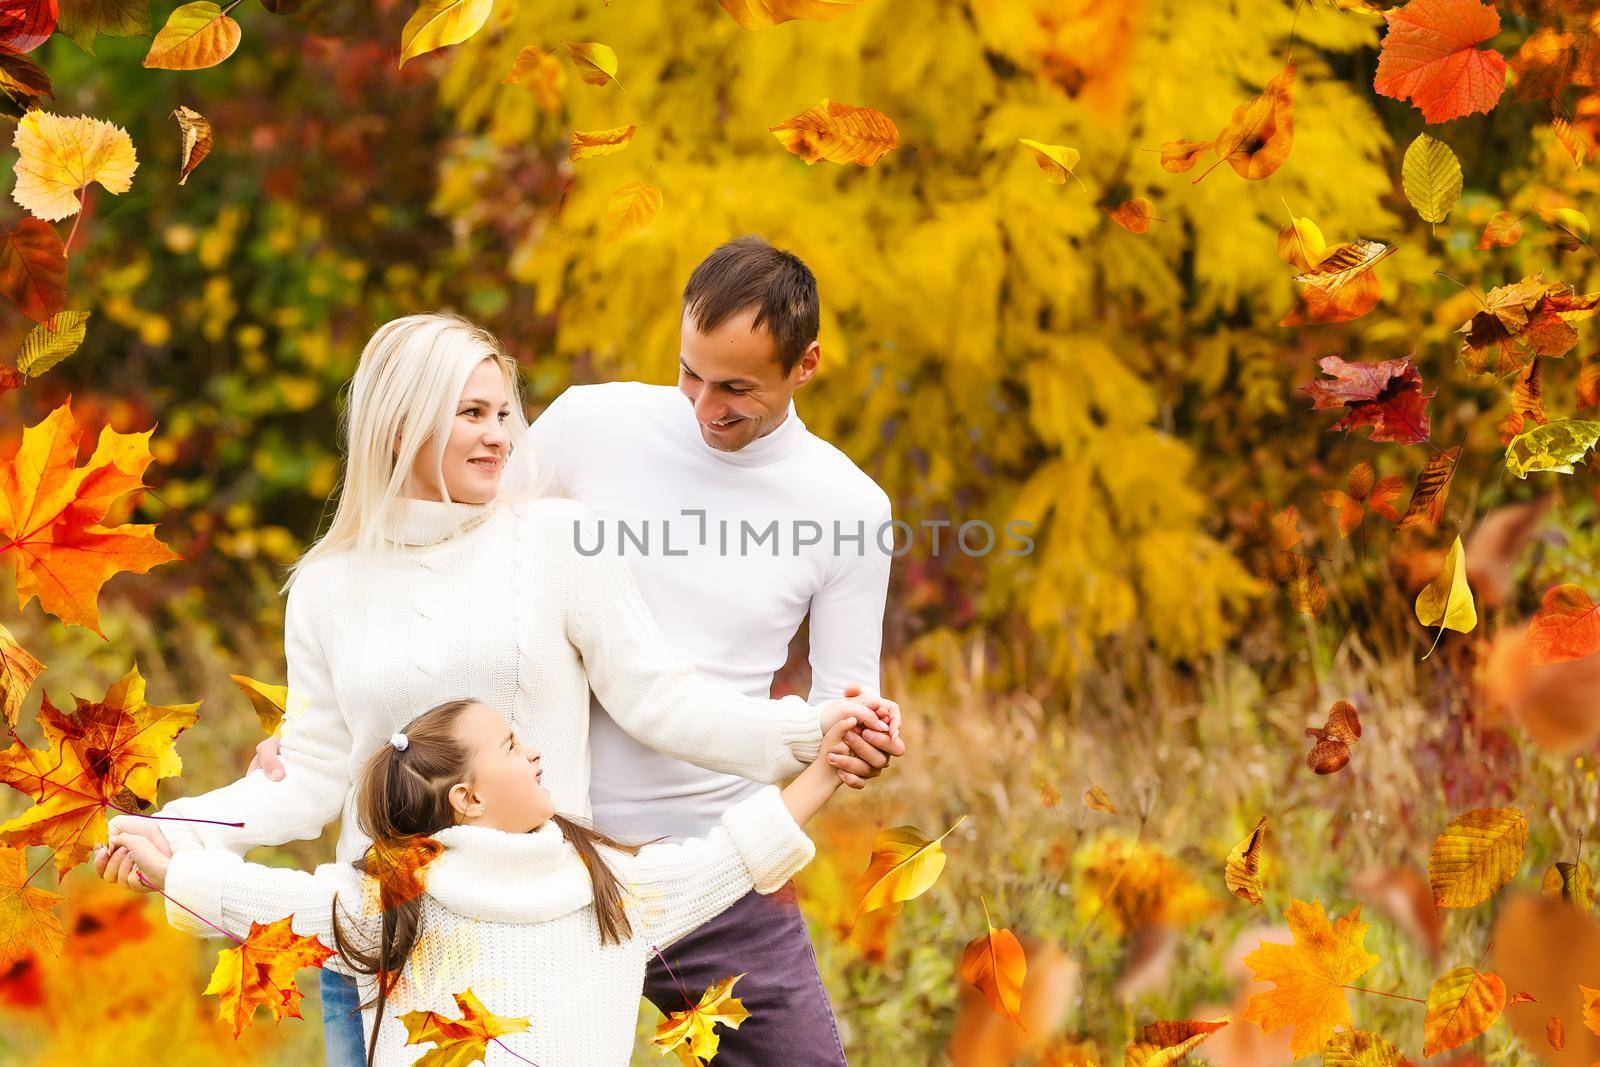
(400,741)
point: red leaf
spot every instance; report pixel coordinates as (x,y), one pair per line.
(26,24)
(1566,626)
(1428,57)
(1387,396)
(33,267)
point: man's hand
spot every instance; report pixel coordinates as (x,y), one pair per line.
(267,759)
(873,743)
(137,845)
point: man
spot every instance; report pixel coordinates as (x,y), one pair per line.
(737,522)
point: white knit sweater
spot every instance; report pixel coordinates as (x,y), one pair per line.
(511,917)
(509,612)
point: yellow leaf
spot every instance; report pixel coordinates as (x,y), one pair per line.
(1164,1043)
(632,207)
(196,36)
(594,143)
(839,133)
(1057,161)
(1462,1004)
(1096,798)
(51,342)
(596,63)
(440,23)
(692,1032)
(196,133)
(1431,177)
(1553,447)
(904,865)
(995,963)
(18,669)
(1358,1048)
(541,74)
(1572,882)
(27,915)
(267,700)
(1309,976)
(458,1042)
(59,156)
(1242,873)
(759,14)
(1475,855)
(1447,600)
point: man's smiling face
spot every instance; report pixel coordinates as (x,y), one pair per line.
(733,377)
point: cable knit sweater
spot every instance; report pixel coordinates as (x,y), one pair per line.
(491,601)
(511,917)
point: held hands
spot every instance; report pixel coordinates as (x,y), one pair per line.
(868,746)
(137,847)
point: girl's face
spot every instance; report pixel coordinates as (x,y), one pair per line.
(475,452)
(502,790)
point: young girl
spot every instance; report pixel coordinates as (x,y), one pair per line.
(539,915)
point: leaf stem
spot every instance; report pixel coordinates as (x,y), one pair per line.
(1381,993)
(66,249)
(171,818)
(236,940)
(508,1051)
(687,999)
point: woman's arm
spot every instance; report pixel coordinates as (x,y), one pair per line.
(655,694)
(316,749)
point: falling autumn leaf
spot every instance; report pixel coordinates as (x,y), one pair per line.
(267,700)
(1162,1044)
(995,963)
(1256,140)
(1057,161)
(1566,626)
(1446,601)
(196,133)
(398,866)
(51,342)
(1503,231)
(1331,751)
(440,23)
(58,156)
(1523,320)
(1571,882)
(1309,976)
(1553,447)
(692,1033)
(1589,384)
(838,133)
(28,919)
(632,207)
(1475,855)
(196,36)
(1428,56)
(1134,215)
(1096,798)
(1591,1007)
(1555,1033)
(21,76)
(116,748)
(84,20)
(260,971)
(33,267)
(1386,395)
(1462,1004)
(1428,497)
(27,24)
(759,14)
(1340,284)
(542,74)
(1049,795)
(1527,402)
(904,865)
(52,513)
(1431,177)
(1364,492)
(595,143)
(18,669)
(1242,871)
(596,63)
(1361,1048)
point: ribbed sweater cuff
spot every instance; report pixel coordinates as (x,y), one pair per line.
(770,842)
(799,729)
(195,878)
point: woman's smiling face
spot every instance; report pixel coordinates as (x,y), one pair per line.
(504,789)
(476,450)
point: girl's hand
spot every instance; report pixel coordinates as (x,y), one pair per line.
(811,789)
(869,747)
(134,851)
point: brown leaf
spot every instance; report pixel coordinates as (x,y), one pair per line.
(33,267)
(1432,490)
(1332,749)
(1386,395)
(1503,231)
(196,140)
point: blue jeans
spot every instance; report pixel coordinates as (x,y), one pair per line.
(341,1030)
(765,938)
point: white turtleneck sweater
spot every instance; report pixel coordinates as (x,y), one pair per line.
(489,601)
(728,601)
(511,917)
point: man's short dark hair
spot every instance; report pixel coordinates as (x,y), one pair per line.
(747,272)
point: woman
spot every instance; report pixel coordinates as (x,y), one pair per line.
(429,584)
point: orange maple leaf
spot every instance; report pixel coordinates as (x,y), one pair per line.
(27,916)
(260,970)
(691,1034)
(106,754)
(459,1041)
(1428,57)
(1364,491)
(1309,976)
(1256,140)
(52,512)
(398,865)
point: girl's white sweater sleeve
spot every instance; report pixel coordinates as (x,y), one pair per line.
(315,752)
(225,890)
(681,885)
(656,695)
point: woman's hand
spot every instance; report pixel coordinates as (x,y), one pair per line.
(869,746)
(136,847)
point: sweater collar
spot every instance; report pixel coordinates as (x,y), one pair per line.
(414,521)
(504,877)
(766,449)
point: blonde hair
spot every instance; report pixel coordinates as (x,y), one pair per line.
(402,400)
